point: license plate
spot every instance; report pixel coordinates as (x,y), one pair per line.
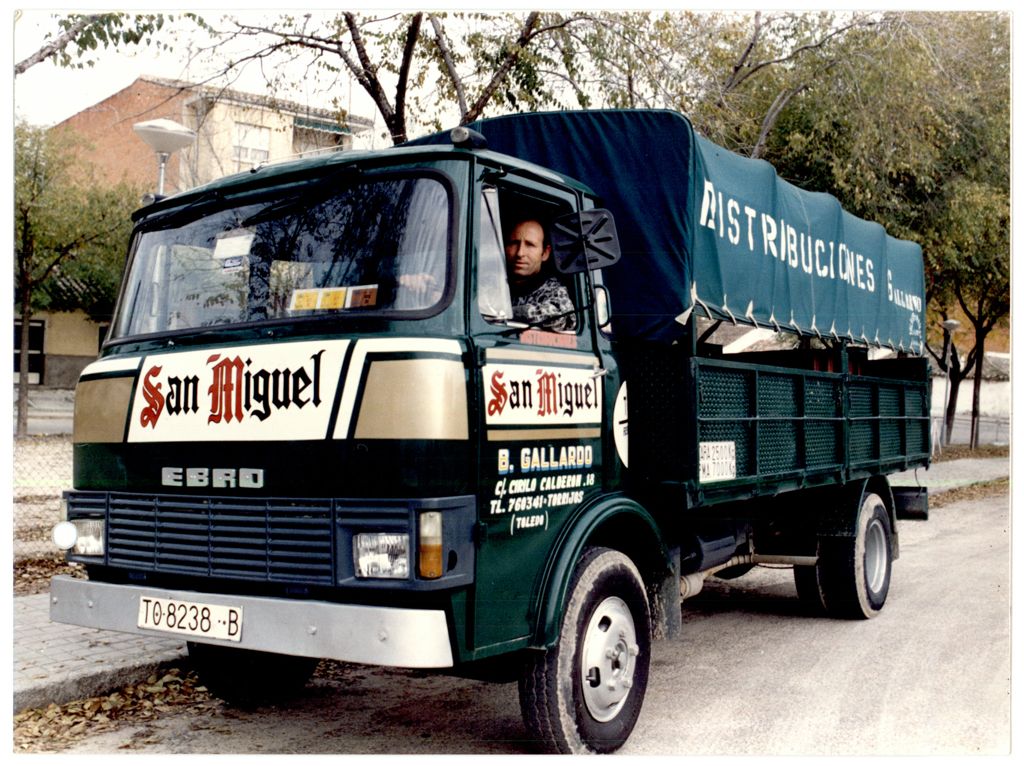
(190,618)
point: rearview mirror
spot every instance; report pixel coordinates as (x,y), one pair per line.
(587,240)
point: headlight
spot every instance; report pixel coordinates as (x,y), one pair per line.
(84,537)
(381,554)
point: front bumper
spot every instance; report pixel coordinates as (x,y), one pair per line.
(410,638)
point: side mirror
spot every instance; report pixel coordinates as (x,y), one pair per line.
(586,240)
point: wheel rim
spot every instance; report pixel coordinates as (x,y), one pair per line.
(608,659)
(876,556)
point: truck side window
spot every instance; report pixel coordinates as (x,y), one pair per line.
(493,296)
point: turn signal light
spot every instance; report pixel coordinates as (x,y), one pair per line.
(431,564)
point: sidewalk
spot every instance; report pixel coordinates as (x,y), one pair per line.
(59,663)
(50,410)
(55,663)
(953,473)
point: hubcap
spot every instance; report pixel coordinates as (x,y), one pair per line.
(876,556)
(608,659)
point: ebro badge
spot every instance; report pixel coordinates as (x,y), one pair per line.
(279,392)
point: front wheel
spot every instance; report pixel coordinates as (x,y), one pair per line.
(852,576)
(585,693)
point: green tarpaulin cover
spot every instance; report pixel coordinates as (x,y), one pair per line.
(703,227)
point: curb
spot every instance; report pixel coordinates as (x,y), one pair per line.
(56,663)
(76,686)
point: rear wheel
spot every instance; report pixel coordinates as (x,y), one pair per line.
(585,693)
(247,678)
(808,588)
(852,576)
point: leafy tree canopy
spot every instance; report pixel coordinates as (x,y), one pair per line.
(70,233)
(77,37)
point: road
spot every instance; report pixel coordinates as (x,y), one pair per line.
(752,675)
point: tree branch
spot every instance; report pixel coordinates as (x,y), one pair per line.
(796,52)
(398,134)
(733,80)
(449,62)
(367,73)
(57,45)
(772,117)
(513,54)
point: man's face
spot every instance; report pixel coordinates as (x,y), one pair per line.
(525,251)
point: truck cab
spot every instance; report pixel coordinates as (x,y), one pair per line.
(317,430)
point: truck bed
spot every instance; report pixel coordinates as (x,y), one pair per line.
(764,428)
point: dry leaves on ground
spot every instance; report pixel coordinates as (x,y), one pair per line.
(32,576)
(56,727)
(963,452)
(970,492)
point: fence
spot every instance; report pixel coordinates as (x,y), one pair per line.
(991,430)
(42,471)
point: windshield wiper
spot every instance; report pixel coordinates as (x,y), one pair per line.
(307,195)
(175,214)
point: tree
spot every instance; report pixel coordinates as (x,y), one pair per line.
(80,35)
(912,130)
(902,116)
(65,228)
(732,74)
(413,60)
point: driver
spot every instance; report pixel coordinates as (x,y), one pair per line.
(537,298)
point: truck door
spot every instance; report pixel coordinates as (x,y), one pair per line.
(541,405)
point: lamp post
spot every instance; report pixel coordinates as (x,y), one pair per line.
(164,137)
(949,327)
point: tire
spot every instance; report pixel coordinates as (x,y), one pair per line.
(852,577)
(584,694)
(808,589)
(248,678)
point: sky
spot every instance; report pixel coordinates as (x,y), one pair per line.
(47,94)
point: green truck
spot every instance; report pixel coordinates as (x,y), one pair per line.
(317,431)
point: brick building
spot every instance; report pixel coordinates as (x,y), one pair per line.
(234,131)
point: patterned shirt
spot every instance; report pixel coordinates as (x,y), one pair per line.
(544,305)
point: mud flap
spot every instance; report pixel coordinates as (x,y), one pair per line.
(911,503)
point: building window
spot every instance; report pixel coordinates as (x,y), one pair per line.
(306,141)
(36,343)
(252,145)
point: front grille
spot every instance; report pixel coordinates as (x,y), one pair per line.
(266,540)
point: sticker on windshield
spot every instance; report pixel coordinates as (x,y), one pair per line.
(313,299)
(362,296)
(333,298)
(234,263)
(234,244)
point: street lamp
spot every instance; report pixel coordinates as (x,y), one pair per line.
(164,137)
(949,327)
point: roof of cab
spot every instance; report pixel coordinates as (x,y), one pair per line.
(290,171)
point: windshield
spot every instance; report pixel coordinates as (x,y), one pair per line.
(377,245)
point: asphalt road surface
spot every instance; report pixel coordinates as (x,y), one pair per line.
(752,675)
